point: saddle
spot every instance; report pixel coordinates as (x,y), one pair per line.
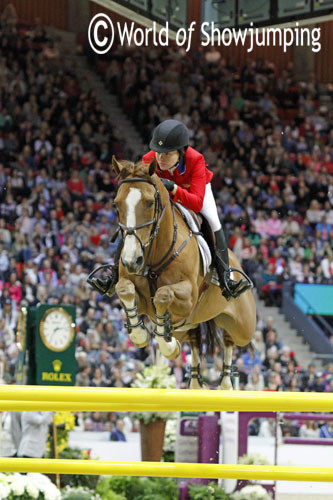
(200,227)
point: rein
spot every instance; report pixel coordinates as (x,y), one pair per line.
(153,271)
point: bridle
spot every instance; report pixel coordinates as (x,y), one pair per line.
(155,221)
(152,271)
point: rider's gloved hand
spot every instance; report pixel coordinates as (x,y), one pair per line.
(169,185)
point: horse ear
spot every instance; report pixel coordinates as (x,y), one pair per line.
(152,166)
(116,165)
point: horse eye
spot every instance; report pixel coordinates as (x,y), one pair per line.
(149,203)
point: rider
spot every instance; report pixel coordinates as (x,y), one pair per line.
(183,172)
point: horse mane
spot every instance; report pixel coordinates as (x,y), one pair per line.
(130,169)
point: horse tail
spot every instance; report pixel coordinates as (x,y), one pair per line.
(196,338)
(207,334)
(211,333)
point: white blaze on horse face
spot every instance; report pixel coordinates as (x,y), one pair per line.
(131,244)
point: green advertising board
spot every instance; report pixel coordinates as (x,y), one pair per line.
(46,339)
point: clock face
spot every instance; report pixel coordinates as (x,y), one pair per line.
(57,329)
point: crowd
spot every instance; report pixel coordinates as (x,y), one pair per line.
(272,181)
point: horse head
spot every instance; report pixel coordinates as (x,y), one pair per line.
(139,206)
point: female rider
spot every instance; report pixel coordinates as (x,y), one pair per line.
(184,173)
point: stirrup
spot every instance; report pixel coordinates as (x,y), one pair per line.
(92,281)
(239,286)
(225,280)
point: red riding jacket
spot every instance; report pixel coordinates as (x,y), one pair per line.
(191,177)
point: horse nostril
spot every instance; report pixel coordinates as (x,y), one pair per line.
(139,261)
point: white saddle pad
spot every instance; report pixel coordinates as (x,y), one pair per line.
(203,247)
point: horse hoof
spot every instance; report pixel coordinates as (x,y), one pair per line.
(194,384)
(175,353)
(226,384)
(144,344)
(144,340)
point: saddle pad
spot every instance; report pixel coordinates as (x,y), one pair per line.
(203,247)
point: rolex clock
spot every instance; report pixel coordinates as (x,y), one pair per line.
(55,345)
(57,329)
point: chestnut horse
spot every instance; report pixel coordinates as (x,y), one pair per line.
(161,276)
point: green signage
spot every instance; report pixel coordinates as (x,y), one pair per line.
(184,414)
(47,348)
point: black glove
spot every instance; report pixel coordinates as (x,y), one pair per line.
(169,185)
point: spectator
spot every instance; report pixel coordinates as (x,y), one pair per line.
(318,384)
(274,225)
(309,430)
(179,371)
(326,431)
(267,427)
(82,377)
(258,344)
(98,380)
(35,426)
(256,382)
(251,359)
(117,434)
(271,289)
(8,443)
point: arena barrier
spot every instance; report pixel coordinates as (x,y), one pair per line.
(314,418)
(43,398)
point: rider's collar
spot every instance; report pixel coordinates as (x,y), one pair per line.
(181,167)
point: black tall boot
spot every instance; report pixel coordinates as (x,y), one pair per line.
(105,285)
(230,288)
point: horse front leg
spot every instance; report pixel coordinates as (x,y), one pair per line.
(137,332)
(171,299)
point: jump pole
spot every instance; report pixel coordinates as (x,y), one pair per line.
(167,469)
(44,398)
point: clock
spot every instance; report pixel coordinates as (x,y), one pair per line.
(57,329)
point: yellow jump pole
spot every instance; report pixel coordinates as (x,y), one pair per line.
(42,398)
(165,469)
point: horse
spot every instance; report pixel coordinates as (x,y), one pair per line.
(161,276)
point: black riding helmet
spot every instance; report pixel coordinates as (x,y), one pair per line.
(169,135)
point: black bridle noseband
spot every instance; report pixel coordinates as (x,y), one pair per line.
(152,271)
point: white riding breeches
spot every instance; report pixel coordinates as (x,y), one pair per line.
(209,209)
